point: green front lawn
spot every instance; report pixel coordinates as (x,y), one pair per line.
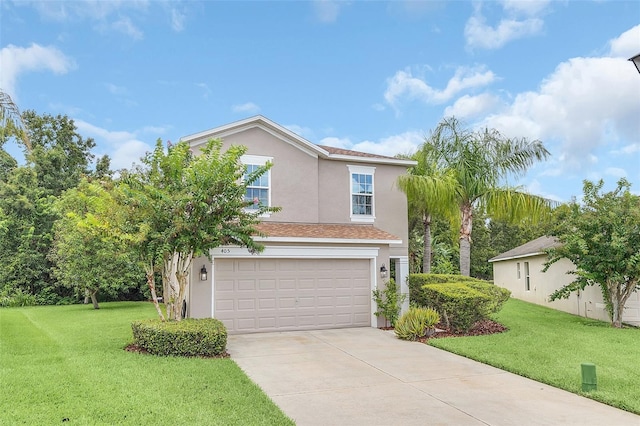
(548,346)
(67,363)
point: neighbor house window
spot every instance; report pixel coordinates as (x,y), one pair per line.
(362,193)
(258,190)
(518,269)
(527,282)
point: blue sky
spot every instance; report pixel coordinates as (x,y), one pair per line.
(369,76)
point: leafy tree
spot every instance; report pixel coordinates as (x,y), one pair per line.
(479,162)
(56,160)
(601,236)
(88,256)
(185,206)
(429,190)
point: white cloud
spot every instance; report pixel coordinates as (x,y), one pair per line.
(521,20)
(326,10)
(16,60)
(123,147)
(305,132)
(526,7)
(125,26)
(616,172)
(404,85)
(627,45)
(114,89)
(343,143)
(535,188)
(178,19)
(248,107)
(584,104)
(206,91)
(404,143)
(87,9)
(468,107)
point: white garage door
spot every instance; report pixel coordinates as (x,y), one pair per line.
(253,295)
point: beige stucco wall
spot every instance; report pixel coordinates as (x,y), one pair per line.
(294,175)
(587,303)
(390,204)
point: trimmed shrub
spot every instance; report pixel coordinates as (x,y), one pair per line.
(459,305)
(189,337)
(416,323)
(417,281)
(497,294)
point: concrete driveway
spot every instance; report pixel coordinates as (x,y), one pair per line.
(365,376)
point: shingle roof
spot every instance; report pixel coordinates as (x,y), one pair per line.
(340,151)
(325,231)
(531,248)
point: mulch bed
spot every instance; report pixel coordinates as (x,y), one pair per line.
(481,328)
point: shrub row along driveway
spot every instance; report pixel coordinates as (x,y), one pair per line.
(365,376)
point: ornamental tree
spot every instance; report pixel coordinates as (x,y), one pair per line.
(601,236)
(186,205)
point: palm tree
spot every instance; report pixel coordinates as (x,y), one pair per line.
(11,119)
(430,191)
(479,162)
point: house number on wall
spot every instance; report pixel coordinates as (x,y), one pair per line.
(225,250)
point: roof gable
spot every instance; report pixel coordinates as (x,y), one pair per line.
(287,136)
(532,248)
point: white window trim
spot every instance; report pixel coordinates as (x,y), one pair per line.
(363,170)
(260,160)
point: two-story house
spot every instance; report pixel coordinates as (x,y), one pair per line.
(342,225)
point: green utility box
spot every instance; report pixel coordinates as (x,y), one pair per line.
(589,379)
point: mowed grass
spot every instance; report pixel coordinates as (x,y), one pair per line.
(548,346)
(62,364)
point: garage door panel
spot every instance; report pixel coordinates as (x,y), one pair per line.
(288,294)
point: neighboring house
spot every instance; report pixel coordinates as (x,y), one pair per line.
(342,225)
(520,270)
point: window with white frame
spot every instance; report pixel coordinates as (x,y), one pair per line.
(362,193)
(527,282)
(258,190)
(518,269)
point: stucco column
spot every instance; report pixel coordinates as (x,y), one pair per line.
(402,275)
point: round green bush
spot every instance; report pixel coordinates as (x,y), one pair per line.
(189,337)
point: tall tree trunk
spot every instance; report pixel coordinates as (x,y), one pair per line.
(151,282)
(94,299)
(619,293)
(426,257)
(466,226)
(168,286)
(183,265)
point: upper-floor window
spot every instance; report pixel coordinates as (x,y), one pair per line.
(258,190)
(362,193)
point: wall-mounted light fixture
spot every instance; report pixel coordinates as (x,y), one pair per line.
(383,271)
(636,61)
(203,273)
